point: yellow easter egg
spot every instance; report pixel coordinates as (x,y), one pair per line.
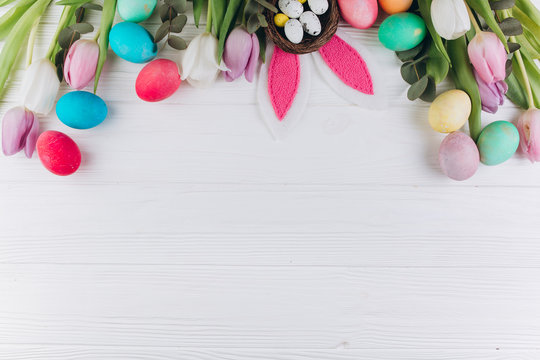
(280,19)
(449,111)
(302,1)
(395,6)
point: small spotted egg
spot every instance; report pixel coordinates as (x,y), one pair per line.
(319,7)
(294,31)
(310,23)
(292,8)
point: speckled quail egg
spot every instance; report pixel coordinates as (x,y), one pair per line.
(310,23)
(292,8)
(294,31)
(319,7)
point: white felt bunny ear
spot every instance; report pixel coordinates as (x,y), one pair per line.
(283,90)
(351,71)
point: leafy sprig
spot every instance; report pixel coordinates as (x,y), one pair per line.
(173,21)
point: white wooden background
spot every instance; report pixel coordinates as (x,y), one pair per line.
(188,233)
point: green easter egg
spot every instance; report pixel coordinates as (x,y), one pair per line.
(136,10)
(497,142)
(402,31)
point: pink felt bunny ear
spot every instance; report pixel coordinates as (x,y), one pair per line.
(348,68)
(283,89)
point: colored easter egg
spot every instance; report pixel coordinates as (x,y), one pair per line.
(395,6)
(360,14)
(58,153)
(136,10)
(449,111)
(280,19)
(132,42)
(458,156)
(81,110)
(158,80)
(497,142)
(403,31)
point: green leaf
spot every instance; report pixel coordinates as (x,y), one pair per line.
(79,14)
(162,31)
(177,42)
(262,20)
(5,2)
(417,88)
(261,35)
(511,27)
(75,3)
(107,18)
(197,11)
(10,18)
(82,27)
(92,6)
(218,13)
(516,93)
(529,24)
(502,4)
(267,5)
(425,10)
(178,5)
(67,37)
(410,54)
(253,24)
(430,92)
(412,72)
(483,9)
(178,23)
(228,23)
(527,7)
(166,13)
(512,46)
(436,66)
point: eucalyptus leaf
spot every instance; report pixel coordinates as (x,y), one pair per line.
(67,37)
(166,13)
(508,68)
(162,31)
(418,88)
(409,54)
(92,6)
(411,72)
(177,42)
(82,28)
(502,4)
(512,47)
(253,24)
(267,5)
(178,23)
(60,72)
(262,20)
(429,94)
(59,57)
(79,14)
(511,27)
(178,5)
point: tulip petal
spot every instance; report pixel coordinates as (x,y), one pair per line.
(528,125)
(253,58)
(40,87)
(31,138)
(190,56)
(237,51)
(81,62)
(16,126)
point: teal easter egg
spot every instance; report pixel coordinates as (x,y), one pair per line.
(81,110)
(136,10)
(132,42)
(497,142)
(402,31)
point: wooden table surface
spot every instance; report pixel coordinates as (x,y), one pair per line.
(189,233)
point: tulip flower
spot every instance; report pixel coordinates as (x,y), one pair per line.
(488,56)
(450,18)
(491,95)
(40,87)
(20,130)
(81,62)
(199,64)
(241,54)
(528,126)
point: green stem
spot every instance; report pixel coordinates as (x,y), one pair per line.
(98,33)
(209,17)
(526,81)
(473,19)
(31,40)
(64,18)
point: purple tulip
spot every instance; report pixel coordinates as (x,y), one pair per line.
(488,56)
(492,95)
(241,54)
(20,129)
(528,126)
(81,62)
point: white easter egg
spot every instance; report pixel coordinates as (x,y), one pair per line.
(319,7)
(292,8)
(294,31)
(310,23)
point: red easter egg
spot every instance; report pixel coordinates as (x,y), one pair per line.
(158,80)
(58,153)
(360,14)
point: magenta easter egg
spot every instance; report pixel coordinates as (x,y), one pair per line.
(458,156)
(158,80)
(360,14)
(58,153)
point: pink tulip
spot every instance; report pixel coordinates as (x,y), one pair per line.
(20,129)
(241,54)
(81,62)
(492,95)
(488,57)
(528,126)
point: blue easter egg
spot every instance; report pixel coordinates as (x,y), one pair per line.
(136,10)
(497,142)
(132,42)
(81,110)
(402,31)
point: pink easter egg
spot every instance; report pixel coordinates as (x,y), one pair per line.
(458,156)
(360,14)
(158,80)
(58,153)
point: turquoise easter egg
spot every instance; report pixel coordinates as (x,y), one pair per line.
(402,31)
(497,142)
(136,10)
(132,42)
(81,109)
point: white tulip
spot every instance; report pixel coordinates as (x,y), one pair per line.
(450,18)
(40,87)
(199,64)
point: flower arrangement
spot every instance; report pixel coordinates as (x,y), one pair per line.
(487,48)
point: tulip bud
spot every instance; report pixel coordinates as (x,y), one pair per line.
(528,126)
(241,54)
(20,130)
(199,64)
(80,64)
(488,56)
(492,95)
(40,87)
(450,18)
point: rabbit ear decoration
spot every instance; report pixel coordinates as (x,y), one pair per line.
(349,69)
(283,90)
